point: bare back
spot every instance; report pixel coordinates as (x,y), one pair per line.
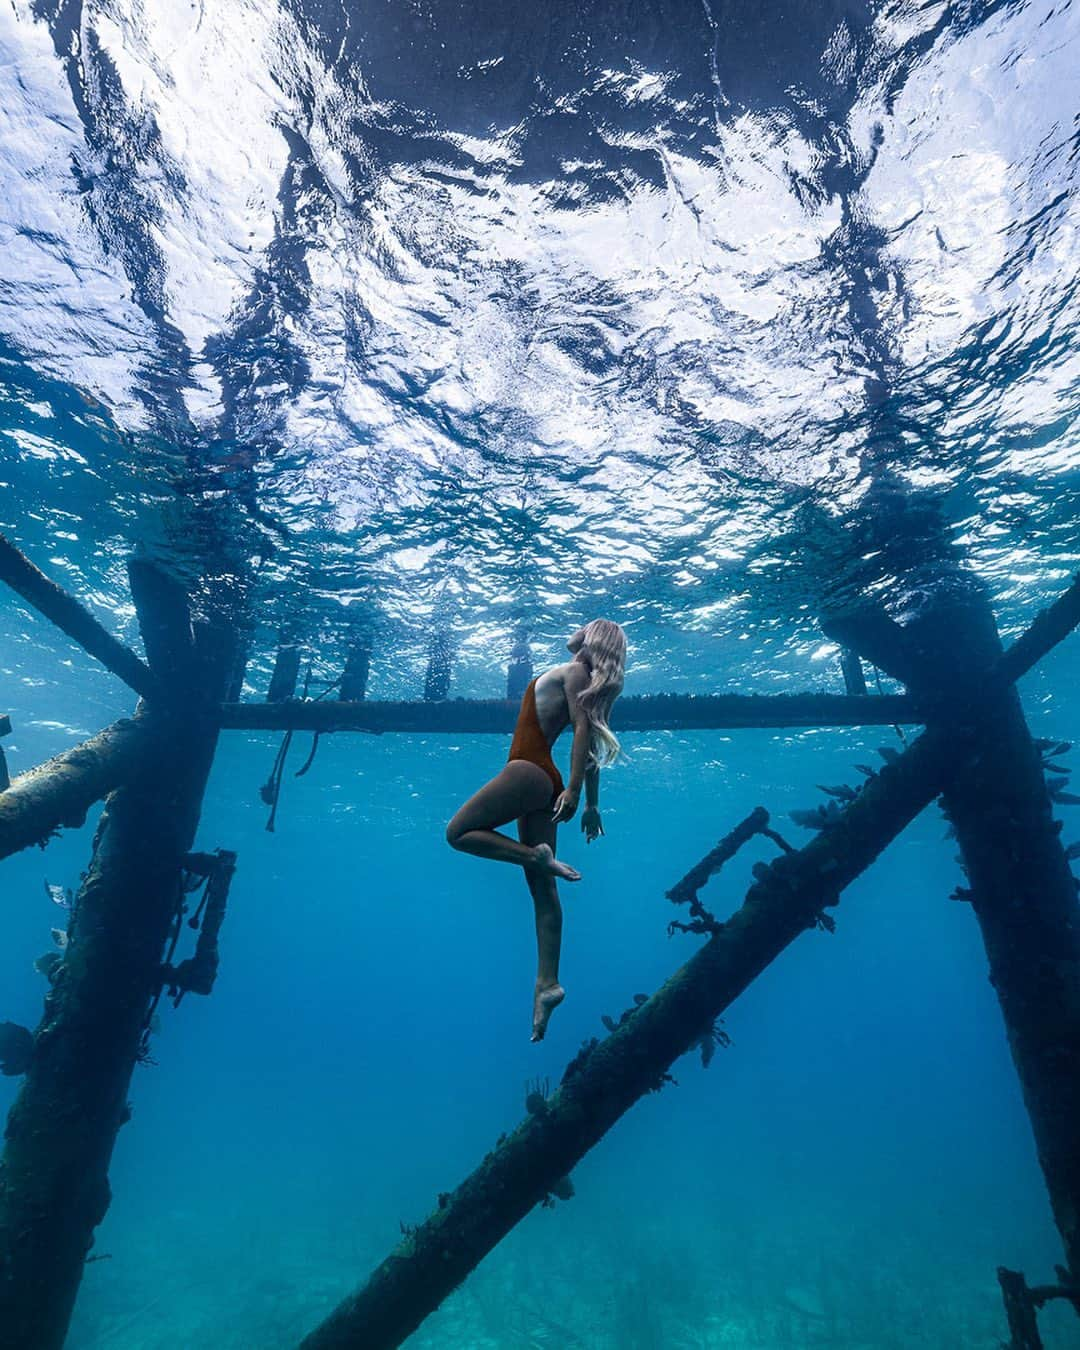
(554,691)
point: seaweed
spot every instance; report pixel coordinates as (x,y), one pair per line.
(537,1092)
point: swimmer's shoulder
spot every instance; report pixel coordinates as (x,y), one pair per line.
(563,684)
(569,674)
(561,681)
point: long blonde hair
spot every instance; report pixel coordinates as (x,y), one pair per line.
(606,645)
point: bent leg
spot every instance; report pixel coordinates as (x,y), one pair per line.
(537,830)
(521,788)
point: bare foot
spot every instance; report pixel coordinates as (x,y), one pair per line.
(545,1001)
(545,861)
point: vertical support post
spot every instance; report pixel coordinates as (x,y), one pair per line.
(1024,897)
(234,688)
(520,670)
(164,612)
(852,669)
(223,635)
(54,1187)
(440,667)
(1022,889)
(1019,1311)
(285,674)
(353,688)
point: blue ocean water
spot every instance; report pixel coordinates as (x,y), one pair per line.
(477,319)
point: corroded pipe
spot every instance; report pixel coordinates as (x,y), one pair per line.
(57,794)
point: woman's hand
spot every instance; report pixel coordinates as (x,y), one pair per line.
(591,824)
(565,805)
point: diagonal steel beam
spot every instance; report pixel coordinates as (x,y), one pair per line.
(74,619)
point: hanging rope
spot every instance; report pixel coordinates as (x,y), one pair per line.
(187,882)
(270,791)
(311,756)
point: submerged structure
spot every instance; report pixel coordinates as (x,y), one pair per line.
(976,755)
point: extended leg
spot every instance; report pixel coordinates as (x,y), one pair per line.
(538,830)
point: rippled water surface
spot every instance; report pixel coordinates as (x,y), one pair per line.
(478,313)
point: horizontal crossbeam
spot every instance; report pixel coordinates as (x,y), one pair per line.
(59,792)
(643,712)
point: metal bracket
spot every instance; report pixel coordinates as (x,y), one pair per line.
(197,974)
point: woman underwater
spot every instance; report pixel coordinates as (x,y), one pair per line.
(530,788)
